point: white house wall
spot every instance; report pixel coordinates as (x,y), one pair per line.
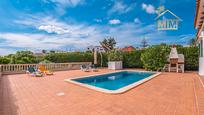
(201,58)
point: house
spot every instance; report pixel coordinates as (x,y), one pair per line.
(199,25)
(39,54)
(128,49)
(95,48)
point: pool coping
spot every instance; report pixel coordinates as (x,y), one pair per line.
(118,91)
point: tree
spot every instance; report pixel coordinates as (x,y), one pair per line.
(23,57)
(144,43)
(12,59)
(115,55)
(44,51)
(4,60)
(52,51)
(192,41)
(108,43)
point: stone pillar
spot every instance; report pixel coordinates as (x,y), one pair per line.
(95,56)
(201,57)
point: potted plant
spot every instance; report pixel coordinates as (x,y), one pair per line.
(115,60)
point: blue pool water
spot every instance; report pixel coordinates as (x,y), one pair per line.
(114,81)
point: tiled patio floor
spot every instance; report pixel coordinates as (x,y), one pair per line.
(167,94)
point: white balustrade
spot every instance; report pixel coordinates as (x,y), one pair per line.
(21,68)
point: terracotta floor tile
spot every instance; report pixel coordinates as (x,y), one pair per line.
(167,94)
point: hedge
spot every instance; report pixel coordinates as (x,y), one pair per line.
(152,58)
(104,59)
(4,60)
(132,59)
(70,57)
(191,55)
(155,57)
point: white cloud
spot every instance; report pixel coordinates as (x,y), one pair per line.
(79,35)
(137,21)
(53,29)
(150,9)
(98,20)
(61,5)
(185,38)
(72,3)
(75,35)
(42,41)
(120,7)
(131,34)
(52,25)
(6,51)
(114,21)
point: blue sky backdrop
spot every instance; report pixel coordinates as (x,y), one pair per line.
(76,24)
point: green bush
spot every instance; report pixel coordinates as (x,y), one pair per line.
(152,58)
(191,55)
(155,57)
(22,57)
(115,55)
(70,57)
(104,57)
(132,59)
(4,60)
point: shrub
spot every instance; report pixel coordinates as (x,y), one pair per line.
(191,55)
(70,57)
(155,57)
(152,58)
(132,59)
(22,57)
(4,60)
(115,55)
(104,59)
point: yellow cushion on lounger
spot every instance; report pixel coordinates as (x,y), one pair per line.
(48,73)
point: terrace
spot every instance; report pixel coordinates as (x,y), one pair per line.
(24,92)
(167,94)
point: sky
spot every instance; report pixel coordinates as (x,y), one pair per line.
(76,24)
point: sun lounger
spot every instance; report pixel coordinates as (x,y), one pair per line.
(32,71)
(85,68)
(43,70)
(93,68)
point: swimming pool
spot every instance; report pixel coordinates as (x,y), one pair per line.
(116,82)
